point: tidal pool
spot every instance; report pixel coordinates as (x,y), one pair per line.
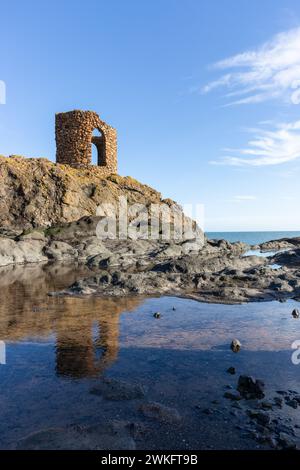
(55,351)
(264,254)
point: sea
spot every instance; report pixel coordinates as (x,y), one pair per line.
(252,238)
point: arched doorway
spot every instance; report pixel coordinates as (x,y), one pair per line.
(98,148)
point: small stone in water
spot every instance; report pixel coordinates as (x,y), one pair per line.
(236,404)
(266,405)
(234,395)
(296,313)
(235,345)
(278,402)
(291,403)
(231,370)
(156,315)
(285,442)
(260,417)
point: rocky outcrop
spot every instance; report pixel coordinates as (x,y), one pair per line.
(212,273)
(290,258)
(35,192)
(280,244)
(47,214)
(77,241)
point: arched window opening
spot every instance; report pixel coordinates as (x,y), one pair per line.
(98,148)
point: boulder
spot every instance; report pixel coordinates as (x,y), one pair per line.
(250,388)
(22,252)
(60,251)
(261,417)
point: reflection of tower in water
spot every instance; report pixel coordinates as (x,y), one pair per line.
(87,335)
(78,354)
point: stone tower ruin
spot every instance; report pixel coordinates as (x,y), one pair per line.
(74,140)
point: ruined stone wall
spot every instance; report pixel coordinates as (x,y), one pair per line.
(74,137)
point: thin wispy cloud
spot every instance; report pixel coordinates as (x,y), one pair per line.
(272,71)
(266,147)
(245,197)
(241,198)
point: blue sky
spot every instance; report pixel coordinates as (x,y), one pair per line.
(204,95)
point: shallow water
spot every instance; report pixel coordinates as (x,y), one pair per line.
(275,266)
(264,254)
(57,349)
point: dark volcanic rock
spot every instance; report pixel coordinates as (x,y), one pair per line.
(203,276)
(157,315)
(285,442)
(291,402)
(290,258)
(261,417)
(250,387)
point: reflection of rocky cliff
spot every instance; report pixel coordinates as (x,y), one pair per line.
(86,330)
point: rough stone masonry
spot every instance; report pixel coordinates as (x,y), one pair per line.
(74,140)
